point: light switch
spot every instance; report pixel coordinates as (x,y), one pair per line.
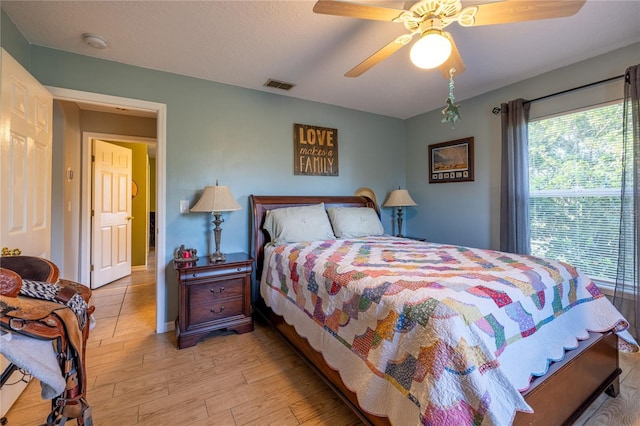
(184,206)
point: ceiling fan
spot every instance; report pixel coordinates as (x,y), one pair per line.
(428,18)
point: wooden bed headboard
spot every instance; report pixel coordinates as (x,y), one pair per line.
(261,204)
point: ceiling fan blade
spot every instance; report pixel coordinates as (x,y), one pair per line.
(356,10)
(454,61)
(372,60)
(517,11)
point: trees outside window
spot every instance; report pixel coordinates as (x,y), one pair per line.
(575,171)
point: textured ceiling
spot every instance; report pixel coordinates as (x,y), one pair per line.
(243,43)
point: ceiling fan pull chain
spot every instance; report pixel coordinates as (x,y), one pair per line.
(450,112)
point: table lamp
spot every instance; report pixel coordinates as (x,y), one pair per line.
(214,200)
(399,198)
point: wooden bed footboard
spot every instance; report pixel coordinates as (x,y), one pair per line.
(559,397)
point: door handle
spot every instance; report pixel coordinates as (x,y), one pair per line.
(129,217)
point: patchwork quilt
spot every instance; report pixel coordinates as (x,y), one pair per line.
(434,334)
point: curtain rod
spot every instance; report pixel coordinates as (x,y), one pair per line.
(496,110)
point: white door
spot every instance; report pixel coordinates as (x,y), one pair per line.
(26,111)
(111,233)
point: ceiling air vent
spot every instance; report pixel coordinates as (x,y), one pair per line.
(279,84)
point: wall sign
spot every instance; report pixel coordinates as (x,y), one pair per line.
(315,150)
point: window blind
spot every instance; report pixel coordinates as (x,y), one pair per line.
(575,172)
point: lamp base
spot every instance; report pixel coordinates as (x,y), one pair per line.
(217,257)
(400,222)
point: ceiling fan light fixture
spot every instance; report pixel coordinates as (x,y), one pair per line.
(433,48)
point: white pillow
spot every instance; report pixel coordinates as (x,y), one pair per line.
(297,224)
(355,222)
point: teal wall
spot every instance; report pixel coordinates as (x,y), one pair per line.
(13,41)
(468,213)
(242,137)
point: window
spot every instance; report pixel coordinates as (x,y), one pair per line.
(575,172)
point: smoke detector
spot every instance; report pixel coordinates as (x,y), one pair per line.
(94,41)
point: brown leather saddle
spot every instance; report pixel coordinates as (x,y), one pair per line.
(54,321)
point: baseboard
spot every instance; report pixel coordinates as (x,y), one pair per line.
(169,326)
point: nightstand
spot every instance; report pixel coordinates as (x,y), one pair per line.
(213,296)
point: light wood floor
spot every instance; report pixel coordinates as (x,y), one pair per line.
(137,377)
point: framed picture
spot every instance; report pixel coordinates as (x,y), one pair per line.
(451,161)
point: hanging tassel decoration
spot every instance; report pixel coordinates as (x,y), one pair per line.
(450,112)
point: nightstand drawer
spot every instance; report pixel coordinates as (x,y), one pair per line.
(196,275)
(215,291)
(218,310)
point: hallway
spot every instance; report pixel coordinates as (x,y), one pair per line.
(126,306)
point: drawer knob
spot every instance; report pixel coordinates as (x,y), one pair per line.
(213,290)
(213,310)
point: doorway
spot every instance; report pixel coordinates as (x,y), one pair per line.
(160,167)
(140,204)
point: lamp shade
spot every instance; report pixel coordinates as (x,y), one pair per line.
(216,199)
(433,48)
(399,198)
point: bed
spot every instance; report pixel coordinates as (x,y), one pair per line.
(374,381)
